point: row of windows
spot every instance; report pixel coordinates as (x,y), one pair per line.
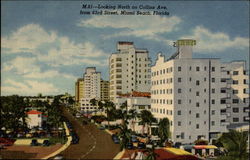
(179,69)
(162,101)
(163,81)
(169,91)
(162,91)
(162,111)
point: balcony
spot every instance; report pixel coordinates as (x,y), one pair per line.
(224,123)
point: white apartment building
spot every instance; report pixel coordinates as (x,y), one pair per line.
(188,92)
(92,80)
(238,94)
(129,70)
(134,103)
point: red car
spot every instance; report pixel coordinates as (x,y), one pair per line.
(6,141)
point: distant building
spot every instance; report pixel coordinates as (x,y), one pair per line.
(34,119)
(92,89)
(104,90)
(129,70)
(79,89)
(200,96)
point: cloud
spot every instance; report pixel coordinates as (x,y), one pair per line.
(148,27)
(48,47)
(27,38)
(212,42)
(28,88)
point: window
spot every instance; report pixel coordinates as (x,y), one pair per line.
(235,72)
(235,100)
(235,119)
(236,110)
(213,80)
(213,112)
(222,91)
(205,79)
(213,123)
(197,104)
(235,91)
(213,101)
(179,79)
(197,93)
(190,79)
(190,68)
(213,69)
(235,82)
(223,101)
(197,83)
(244,90)
(197,68)
(179,113)
(197,126)
(190,101)
(213,90)
(190,111)
(179,123)
(205,68)
(179,69)
(197,115)
(179,90)
(179,101)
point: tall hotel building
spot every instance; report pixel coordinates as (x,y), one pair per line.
(92,89)
(129,70)
(79,89)
(201,97)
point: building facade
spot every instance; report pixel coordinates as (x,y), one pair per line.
(188,92)
(79,89)
(104,90)
(129,70)
(92,89)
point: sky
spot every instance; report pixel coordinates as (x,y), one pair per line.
(46,45)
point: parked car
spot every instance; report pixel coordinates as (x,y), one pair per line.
(46,143)
(115,139)
(59,156)
(34,142)
(134,139)
(129,145)
(75,138)
(84,122)
(141,145)
(6,141)
(101,127)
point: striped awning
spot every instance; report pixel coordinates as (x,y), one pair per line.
(204,147)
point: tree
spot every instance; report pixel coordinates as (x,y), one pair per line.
(164,129)
(133,115)
(146,118)
(125,135)
(151,155)
(235,142)
(109,109)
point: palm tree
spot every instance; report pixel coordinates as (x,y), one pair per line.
(164,129)
(125,135)
(146,118)
(109,109)
(235,142)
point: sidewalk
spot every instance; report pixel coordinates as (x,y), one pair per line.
(66,145)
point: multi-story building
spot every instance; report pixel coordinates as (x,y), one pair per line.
(79,89)
(104,90)
(92,89)
(188,92)
(237,91)
(129,70)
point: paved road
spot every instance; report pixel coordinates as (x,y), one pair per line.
(93,144)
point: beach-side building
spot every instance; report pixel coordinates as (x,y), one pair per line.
(129,70)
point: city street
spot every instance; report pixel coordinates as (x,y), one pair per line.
(93,143)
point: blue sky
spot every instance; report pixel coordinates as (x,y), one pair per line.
(45,46)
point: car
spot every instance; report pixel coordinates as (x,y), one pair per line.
(75,138)
(6,141)
(134,139)
(46,143)
(84,122)
(34,142)
(141,145)
(115,139)
(129,145)
(101,127)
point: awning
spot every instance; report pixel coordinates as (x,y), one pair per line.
(205,147)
